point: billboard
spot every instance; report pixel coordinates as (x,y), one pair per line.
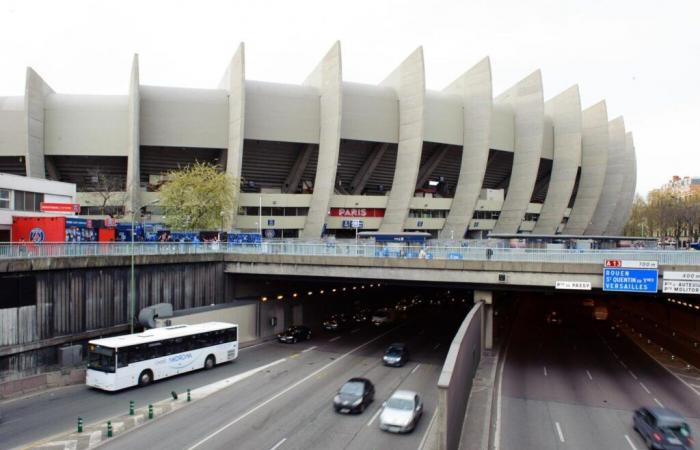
(38,229)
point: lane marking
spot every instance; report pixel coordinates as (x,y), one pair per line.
(208,389)
(355,330)
(414,369)
(289,388)
(658,402)
(497,433)
(633,375)
(278,444)
(371,421)
(308,349)
(545,371)
(334,339)
(623,364)
(561,435)
(644,387)
(629,441)
(436,346)
(427,432)
(590,377)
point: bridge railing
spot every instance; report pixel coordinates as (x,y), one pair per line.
(49,250)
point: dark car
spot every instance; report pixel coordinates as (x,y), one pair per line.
(361,315)
(662,429)
(354,396)
(295,334)
(396,355)
(335,322)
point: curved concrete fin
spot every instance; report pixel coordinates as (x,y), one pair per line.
(623,206)
(476,90)
(594,160)
(633,182)
(234,83)
(408,80)
(526,99)
(133,168)
(565,112)
(327,77)
(614,178)
(35,92)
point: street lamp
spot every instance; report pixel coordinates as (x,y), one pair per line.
(132,296)
(221,230)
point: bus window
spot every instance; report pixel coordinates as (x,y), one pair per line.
(101,358)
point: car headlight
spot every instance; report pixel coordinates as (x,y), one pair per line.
(357,402)
(336,399)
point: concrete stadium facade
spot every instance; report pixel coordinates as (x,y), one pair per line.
(310,159)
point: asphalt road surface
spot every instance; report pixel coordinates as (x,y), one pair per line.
(287,404)
(576,385)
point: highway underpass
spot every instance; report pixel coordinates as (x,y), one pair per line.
(567,386)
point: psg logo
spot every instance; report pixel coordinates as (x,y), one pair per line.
(36,235)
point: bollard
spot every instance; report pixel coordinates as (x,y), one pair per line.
(131,407)
(109,428)
(150,411)
(189,397)
(80,424)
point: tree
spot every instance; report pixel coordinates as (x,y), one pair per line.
(110,189)
(195,197)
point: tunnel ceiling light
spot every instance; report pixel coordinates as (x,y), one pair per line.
(371,285)
(295,295)
(280,297)
(379,284)
(363,286)
(310,293)
(343,289)
(354,287)
(264,299)
(321,291)
(334,289)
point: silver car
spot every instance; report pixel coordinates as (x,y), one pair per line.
(401,412)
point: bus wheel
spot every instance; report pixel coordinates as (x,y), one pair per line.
(209,362)
(145,378)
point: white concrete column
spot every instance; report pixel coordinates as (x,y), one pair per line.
(475,88)
(234,82)
(632,192)
(614,177)
(527,101)
(626,194)
(565,113)
(408,80)
(487,330)
(327,77)
(133,170)
(35,92)
(594,160)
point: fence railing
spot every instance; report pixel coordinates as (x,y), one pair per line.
(50,250)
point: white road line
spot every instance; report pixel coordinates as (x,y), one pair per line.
(374,417)
(436,346)
(497,433)
(644,387)
(334,339)
(414,369)
(278,444)
(561,435)
(427,432)
(289,388)
(629,441)
(309,349)
(633,375)
(658,402)
(545,371)
(623,364)
(590,377)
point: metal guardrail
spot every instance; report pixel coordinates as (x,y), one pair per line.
(50,250)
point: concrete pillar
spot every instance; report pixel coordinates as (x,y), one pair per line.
(614,178)
(626,196)
(133,169)
(35,92)
(487,329)
(328,79)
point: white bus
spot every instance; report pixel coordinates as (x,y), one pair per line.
(137,359)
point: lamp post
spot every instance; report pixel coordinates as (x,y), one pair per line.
(132,295)
(221,230)
(260,216)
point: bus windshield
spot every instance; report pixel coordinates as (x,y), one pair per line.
(101,358)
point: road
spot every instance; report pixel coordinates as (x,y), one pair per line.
(576,385)
(290,402)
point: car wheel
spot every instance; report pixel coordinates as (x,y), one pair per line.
(145,378)
(209,362)
(647,442)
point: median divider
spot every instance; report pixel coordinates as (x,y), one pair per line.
(90,435)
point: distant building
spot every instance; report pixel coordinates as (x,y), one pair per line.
(328,156)
(683,186)
(24,196)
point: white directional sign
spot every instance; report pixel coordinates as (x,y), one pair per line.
(575,285)
(681,282)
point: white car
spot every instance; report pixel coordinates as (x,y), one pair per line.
(401,412)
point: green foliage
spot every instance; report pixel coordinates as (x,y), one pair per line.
(193,198)
(665,214)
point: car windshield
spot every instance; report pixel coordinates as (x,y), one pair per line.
(101,358)
(402,404)
(352,388)
(393,351)
(380,314)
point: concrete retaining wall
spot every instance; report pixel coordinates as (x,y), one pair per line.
(455,382)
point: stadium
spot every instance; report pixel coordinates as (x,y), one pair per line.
(329,157)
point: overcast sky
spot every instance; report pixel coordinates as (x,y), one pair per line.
(642,56)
